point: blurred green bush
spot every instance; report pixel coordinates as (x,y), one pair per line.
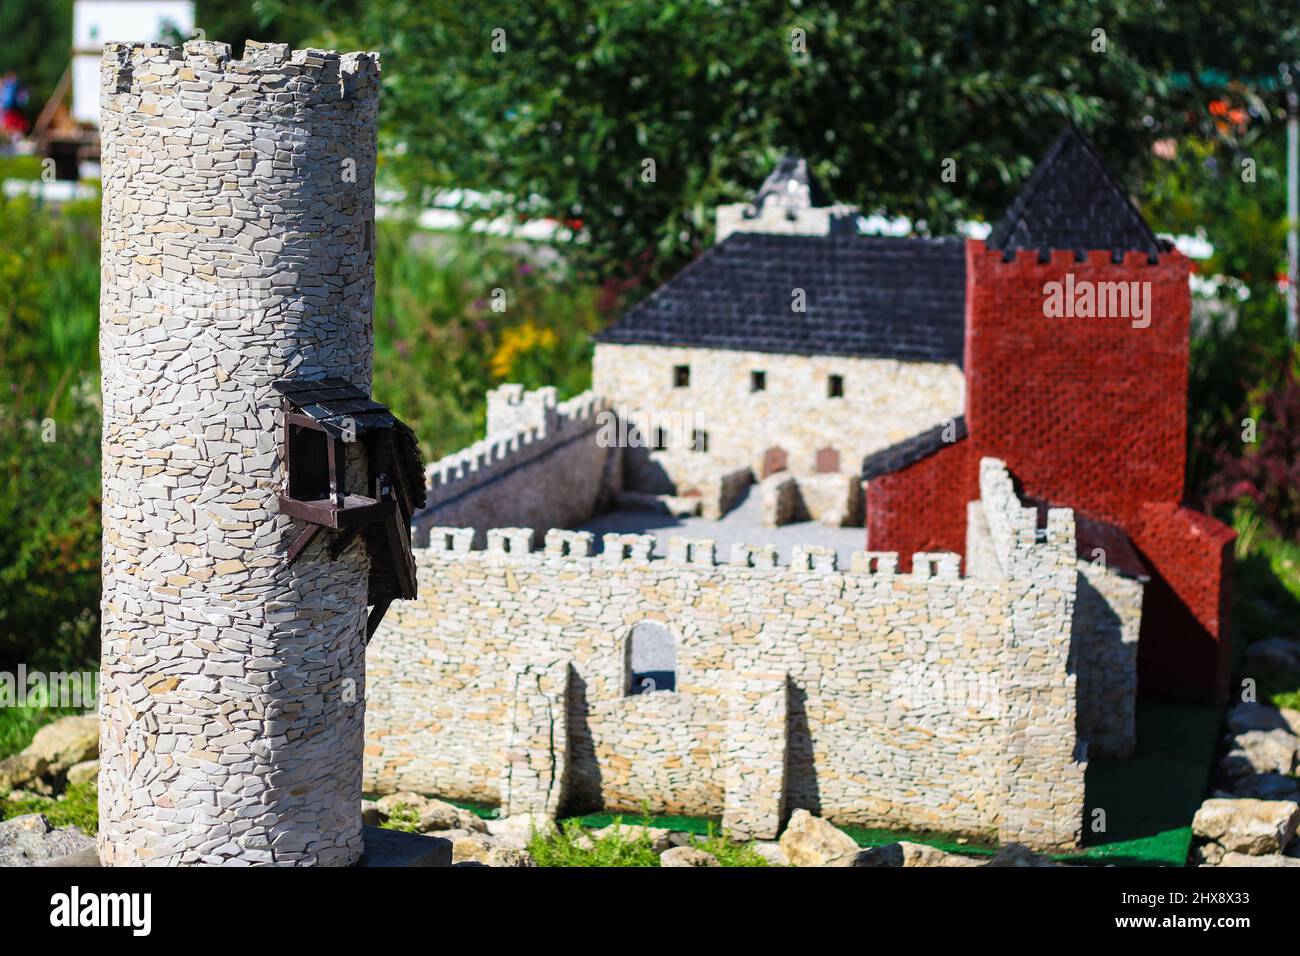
(49,434)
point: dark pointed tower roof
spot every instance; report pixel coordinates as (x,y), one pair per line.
(790,179)
(1071,201)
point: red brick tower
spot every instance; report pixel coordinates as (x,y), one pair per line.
(1076,361)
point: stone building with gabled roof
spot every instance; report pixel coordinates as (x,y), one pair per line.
(792,346)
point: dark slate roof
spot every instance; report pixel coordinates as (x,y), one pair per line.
(1071,201)
(911,450)
(791,169)
(334,403)
(866,296)
(410,465)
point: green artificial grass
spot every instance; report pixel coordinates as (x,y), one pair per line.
(949,843)
(1149,799)
(488,811)
(701,826)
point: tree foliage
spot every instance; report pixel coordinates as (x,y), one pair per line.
(555,106)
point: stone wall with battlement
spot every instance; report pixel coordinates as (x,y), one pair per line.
(921,700)
(542,464)
(776,218)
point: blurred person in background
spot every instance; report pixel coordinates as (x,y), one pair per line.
(12,99)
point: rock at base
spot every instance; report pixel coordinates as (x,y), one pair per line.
(1267,786)
(689,856)
(904,853)
(812,841)
(485,851)
(393,848)
(660,838)
(518,829)
(432,814)
(1260,751)
(1256,827)
(65,742)
(1273,655)
(21,770)
(83,772)
(1268,859)
(770,852)
(30,840)
(1015,855)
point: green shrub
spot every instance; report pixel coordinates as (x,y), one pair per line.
(78,806)
(20,167)
(1266,470)
(49,537)
(403,818)
(18,725)
(572,845)
(440,344)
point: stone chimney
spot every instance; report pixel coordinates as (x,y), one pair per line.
(790,202)
(238,219)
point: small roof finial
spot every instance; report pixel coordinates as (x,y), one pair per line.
(792,184)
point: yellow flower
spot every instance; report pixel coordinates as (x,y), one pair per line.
(518,342)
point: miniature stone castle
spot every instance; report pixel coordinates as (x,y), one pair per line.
(957,681)
(798,376)
(925,700)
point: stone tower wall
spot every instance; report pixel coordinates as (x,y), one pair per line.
(237,249)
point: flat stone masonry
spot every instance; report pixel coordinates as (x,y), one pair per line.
(238,219)
(921,700)
(884,402)
(542,464)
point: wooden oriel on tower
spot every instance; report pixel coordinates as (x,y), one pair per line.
(321,418)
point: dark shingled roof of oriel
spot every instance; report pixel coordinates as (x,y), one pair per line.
(911,450)
(864,296)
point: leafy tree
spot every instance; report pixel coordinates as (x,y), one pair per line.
(294,22)
(555,107)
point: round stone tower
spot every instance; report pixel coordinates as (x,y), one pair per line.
(238,211)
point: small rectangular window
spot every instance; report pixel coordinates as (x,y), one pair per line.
(835,386)
(699,440)
(681,376)
(758,381)
(308,464)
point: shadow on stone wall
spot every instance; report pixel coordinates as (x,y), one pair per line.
(583,784)
(802,791)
